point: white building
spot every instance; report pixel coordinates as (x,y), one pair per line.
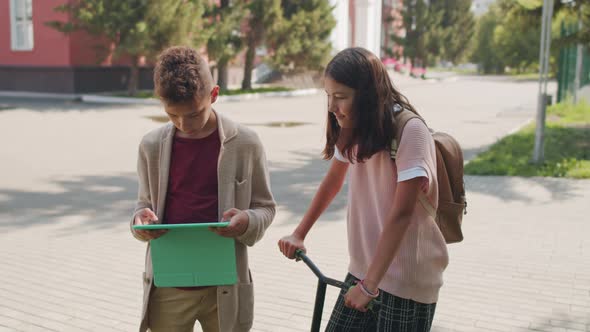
(359,23)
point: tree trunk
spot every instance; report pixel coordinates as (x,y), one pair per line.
(222,65)
(134,77)
(222,75)
(249,63)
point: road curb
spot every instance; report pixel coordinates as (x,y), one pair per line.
(98,99)
(39,95)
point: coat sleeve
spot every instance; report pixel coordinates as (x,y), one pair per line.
(143,192)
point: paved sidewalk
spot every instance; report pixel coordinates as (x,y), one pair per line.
(521,266)
(68,187)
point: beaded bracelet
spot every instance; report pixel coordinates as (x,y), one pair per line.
(365,291)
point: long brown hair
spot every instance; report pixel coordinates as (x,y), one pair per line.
(374,100)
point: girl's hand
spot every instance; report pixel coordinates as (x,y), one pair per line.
(289,244)
(355,299)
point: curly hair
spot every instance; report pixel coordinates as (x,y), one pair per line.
(181,74)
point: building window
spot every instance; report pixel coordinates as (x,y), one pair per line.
(21,25)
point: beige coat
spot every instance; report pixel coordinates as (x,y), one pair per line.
(243,183)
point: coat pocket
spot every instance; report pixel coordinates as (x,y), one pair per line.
(147,281)
(145,278)
(243,194)
(147,287)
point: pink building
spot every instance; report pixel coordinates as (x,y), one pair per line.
(35,57)
(392,26)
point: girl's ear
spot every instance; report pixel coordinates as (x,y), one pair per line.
(214,94)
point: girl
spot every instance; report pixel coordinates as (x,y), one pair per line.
(397,253)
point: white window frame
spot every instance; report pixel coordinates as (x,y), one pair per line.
(21,18)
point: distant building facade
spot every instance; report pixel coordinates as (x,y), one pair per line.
(36,57)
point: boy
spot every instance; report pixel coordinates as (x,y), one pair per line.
(201,167)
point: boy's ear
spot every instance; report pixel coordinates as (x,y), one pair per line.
(214,94)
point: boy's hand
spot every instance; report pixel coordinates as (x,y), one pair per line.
(146,217)
(238,223)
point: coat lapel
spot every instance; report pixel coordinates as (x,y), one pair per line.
(165,154)
(227,131)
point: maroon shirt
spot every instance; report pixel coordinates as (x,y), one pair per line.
(192,181)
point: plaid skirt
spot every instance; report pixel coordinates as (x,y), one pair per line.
(392,314)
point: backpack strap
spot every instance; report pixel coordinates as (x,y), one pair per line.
(402,116)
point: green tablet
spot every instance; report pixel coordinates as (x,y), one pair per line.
(176,226)
(192,255)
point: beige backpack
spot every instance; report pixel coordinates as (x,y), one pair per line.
(451,187)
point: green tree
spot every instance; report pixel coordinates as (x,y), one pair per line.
(458,27)
(264,19)
(135,27)
(519,51)
(422,42)
(579,12)
(224,22)
(485,52)
(509,34)
(301,40)
(498,46)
